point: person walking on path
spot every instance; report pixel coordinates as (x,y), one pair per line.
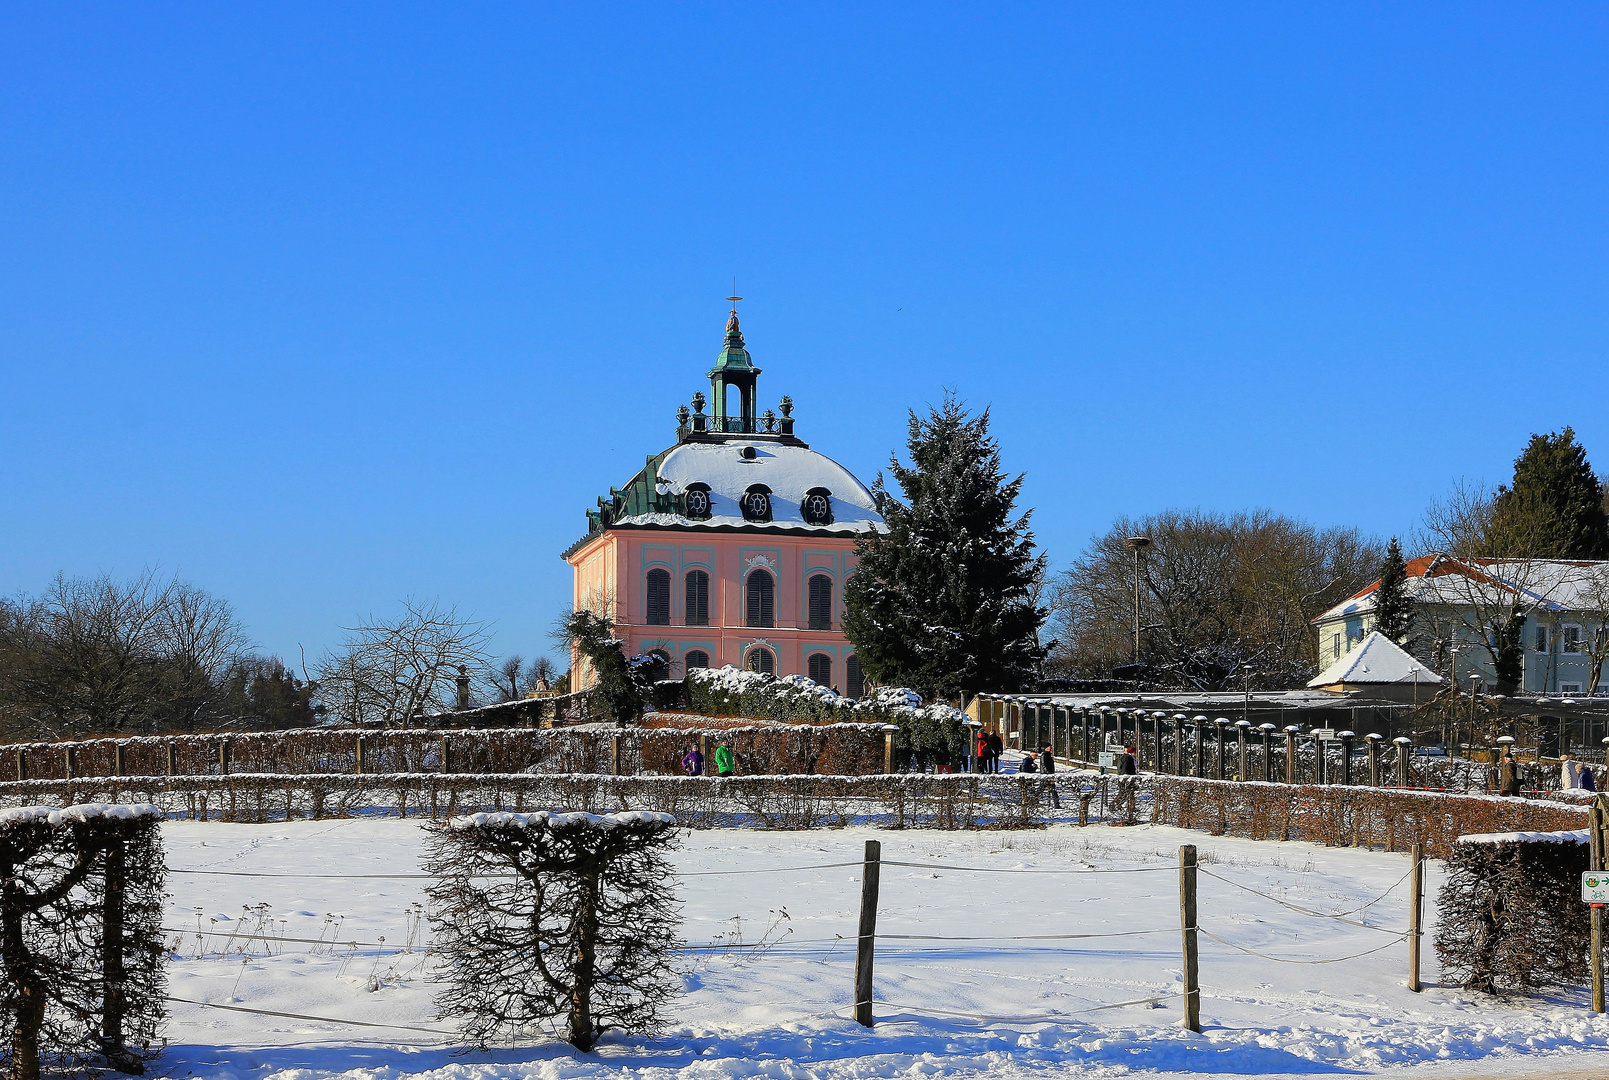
(997,747)
(1569,773)
(723,759)
(1508,774)
(982,764)
(1047,765)
(1127,766)
(693,763)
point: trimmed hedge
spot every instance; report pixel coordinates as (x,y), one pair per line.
(1510,917)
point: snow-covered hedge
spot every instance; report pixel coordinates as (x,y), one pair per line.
(82,984)
(933,733)
(1347,816)
(1510,917)
(564,922)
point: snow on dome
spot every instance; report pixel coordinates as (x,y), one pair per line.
(788,472)
(1376,659)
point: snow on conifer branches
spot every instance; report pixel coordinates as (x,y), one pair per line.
(575,937)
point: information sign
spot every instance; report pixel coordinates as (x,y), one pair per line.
(1108,760)
(1324,734)
(1595,886)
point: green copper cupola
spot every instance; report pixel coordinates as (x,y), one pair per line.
(733,370)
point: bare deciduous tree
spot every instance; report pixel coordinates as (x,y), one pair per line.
(389,672)
(558,922)
(1217,592)
(96,655)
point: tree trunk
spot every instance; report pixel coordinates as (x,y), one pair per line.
(30,986)
(583,1032)
(115,990)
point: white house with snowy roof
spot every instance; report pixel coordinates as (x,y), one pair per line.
(733,545)
(1565,603)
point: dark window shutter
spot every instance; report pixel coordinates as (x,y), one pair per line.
(854,682)
(762,601)
(659,597)
(820,666)
(698,598)
(820,602)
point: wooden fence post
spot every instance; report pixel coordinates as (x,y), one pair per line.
(117,759)
(1416,907)
(22,764)
(1290,753)
(357,757)
(614,755)
(1595,857)
(72,761)
(1187,925)
(223,757)
(173,758)
(870,872)
(446,754)
(704,752)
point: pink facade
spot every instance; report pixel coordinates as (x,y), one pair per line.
(615,565)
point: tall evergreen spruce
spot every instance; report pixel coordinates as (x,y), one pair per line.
(1393,610)
(1555,509)
(943,602)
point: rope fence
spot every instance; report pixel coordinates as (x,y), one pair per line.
(865,941)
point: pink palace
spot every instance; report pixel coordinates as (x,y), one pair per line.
(733,546)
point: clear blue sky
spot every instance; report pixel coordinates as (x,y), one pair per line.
(323,306)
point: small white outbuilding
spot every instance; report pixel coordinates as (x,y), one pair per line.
(1375,664)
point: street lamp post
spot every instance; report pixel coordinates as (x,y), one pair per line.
(1137,544)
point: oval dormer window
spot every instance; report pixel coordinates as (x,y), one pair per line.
(757,503)
(817,507)
(697,501)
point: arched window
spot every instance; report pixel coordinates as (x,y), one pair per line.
(819,668)
(820,602)
(698,598)
(761,599)
(658,597)
(757,503)
(854,681)
(696,658)
(760,659)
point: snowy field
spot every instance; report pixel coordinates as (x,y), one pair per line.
(1000,996)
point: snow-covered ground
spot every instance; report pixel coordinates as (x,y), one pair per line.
(1003,998)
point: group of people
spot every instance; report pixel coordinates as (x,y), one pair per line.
(1573,775)
(693,760)
(990,747)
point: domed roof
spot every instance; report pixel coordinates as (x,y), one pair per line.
(788,473)
(737,471)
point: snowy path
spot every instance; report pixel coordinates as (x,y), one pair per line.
(1024,1005)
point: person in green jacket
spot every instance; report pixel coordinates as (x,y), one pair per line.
(723,760)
